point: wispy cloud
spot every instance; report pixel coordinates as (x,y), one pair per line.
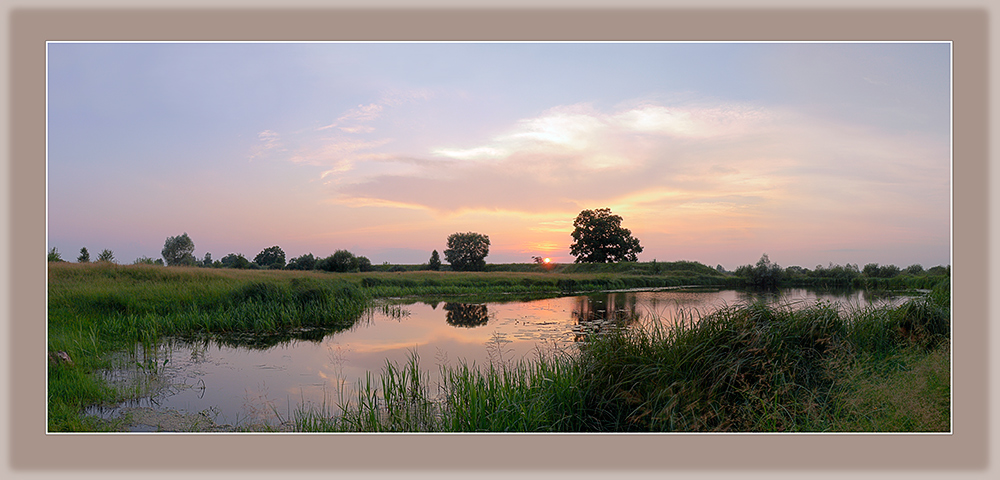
(268,141)
(354,119)
(700,158)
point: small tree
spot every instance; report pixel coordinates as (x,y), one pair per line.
(939,270)
(888,271)
(467,251)
(340,261)
(915,269)
(178,250)
(600,238)
(271,257)
(84,256)
(764,274)
(106,256)
(303,262)
(145,261)
(54,255)
(207,261)
(435,262)
(235,260)
(870,270)
(364,264)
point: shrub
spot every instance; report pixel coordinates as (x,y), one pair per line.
(303,262)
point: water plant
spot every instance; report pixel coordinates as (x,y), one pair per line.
(747,367)
(744,368)
(98,309)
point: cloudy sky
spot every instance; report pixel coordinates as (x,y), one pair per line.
(714,152)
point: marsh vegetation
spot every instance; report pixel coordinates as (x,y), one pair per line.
(745,367)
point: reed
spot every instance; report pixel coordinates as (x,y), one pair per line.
(744,368)
(96,310)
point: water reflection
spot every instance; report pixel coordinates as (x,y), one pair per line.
(243,378)
(600,313)
(466,315)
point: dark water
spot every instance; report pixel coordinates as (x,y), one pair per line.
(242,385)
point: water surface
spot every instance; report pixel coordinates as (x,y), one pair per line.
(243,385)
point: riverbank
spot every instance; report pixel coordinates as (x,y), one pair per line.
(746,368)
(99,309)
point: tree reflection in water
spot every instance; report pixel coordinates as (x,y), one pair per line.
(466,315)
(602,313)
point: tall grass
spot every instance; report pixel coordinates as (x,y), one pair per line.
(102,308)
(505,282)
(745,368)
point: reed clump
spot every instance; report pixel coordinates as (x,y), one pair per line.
(744,368)
(101,308)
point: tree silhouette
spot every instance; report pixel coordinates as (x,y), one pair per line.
(271,257)
(178,250)
(467,251)
(435,261)
(600,238)
(466,315)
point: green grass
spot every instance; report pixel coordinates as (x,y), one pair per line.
(96,310)
(744,368)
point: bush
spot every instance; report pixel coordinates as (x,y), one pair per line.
(765,274)
(303,262)
(271,257)
(235,260)
(340,261)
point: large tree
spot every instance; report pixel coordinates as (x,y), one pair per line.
(467,251)
(178,250)
(600,238)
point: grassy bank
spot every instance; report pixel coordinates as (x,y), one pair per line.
(98,309)
(748,368)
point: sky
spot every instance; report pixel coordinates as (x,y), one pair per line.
(813,153)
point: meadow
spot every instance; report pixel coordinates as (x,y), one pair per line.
(744,368)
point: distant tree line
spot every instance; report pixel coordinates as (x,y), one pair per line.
(768,274)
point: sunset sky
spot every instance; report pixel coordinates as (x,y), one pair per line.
(813,153)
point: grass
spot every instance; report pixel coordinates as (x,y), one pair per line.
(744,368)
(96,310)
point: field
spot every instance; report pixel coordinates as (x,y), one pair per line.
(748,368)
